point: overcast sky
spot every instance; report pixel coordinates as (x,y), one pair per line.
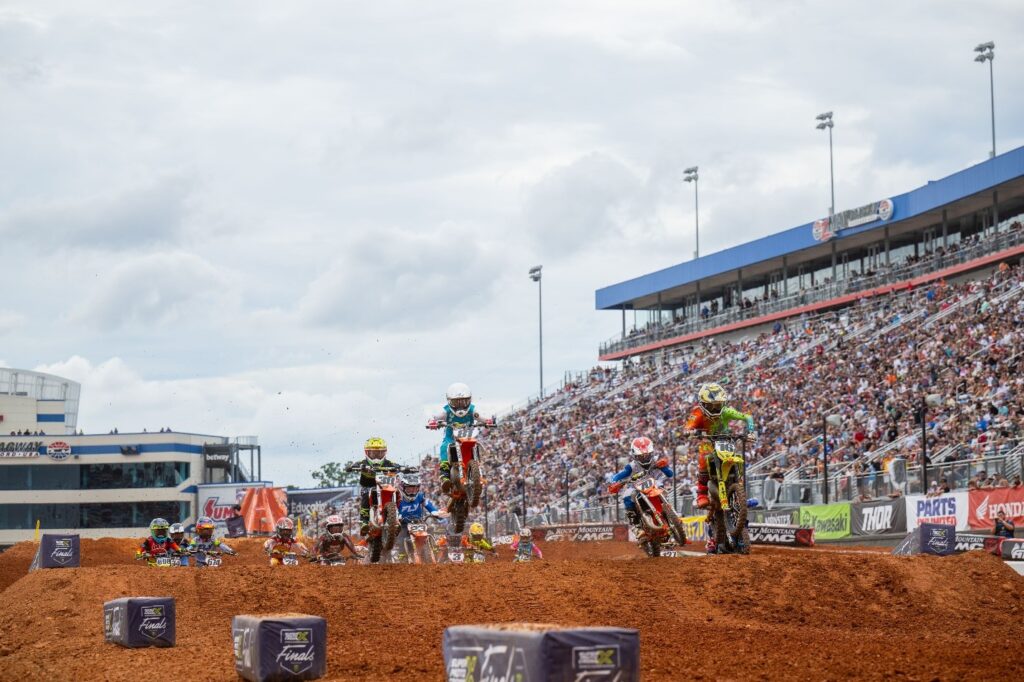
(303,220)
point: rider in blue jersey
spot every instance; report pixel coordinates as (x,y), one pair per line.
(413,506)
(459,411)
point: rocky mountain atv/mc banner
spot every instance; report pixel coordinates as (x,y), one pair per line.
(876,518)
(984,505)
(829,521)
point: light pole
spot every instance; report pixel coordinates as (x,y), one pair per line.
(535,276)
(691,176)
(986,53)
(825,122)
(834,420)
(930,400)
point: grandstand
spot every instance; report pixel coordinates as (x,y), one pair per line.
(903,326)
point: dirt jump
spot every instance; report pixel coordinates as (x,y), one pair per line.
(811,614)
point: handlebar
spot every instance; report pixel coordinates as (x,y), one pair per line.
(435,424)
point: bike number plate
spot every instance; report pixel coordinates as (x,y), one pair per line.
(456,557)
(213,561)
(164,561)
(417,528)
(647,484)
(723,446)
(290,560)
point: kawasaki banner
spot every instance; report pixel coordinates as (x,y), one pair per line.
(881,516)
(829,521)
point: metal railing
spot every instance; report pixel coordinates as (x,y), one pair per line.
(821,293)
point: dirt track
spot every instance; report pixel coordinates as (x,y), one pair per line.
(801,615)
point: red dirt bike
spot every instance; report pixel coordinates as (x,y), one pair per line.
(383,519)
(464,456)
(659,521)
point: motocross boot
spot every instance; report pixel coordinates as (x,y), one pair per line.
(712,546)
(446,479)
(633,518)
(703,502)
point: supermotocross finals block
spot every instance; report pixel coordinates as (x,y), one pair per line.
(139,621)
(57,551)
(287,646)
(536,653)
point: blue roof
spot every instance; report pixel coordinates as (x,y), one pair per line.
(935,194)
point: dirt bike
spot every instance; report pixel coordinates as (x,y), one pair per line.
(210,559)
(289,559)
(659,520)
(162,560)
(383,521)
(420,547)
(727,516)
(464,457)
(333,559)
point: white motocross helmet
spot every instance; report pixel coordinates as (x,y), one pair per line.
(459,397)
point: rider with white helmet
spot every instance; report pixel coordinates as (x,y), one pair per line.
(642,464)
(458,411)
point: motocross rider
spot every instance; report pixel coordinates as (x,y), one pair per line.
(283,542)
(476,539)
(458,411)
(641,465)
(375,452)
(334,540)
(177,533)
(413,505)
(523,546)
(204,541)
(158,543)
(712,416)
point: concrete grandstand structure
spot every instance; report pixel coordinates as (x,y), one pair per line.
(99,485)
(915,236)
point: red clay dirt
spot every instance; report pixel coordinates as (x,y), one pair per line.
(793,615)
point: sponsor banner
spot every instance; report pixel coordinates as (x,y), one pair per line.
(829,521)
(286,647)
(696,528)
(217,456)
(217,501)
(140,621)
(315,502)
(876,518)
(583,532)
(786,535)
(15,448)
(983,505)
(937,538)
(969,542)
(775,517)
(824,229)
(1012,549)
(510,654)
(946,508)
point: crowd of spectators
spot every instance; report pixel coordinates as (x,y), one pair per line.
(720,311)
(869,365)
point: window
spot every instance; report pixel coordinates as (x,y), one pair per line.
(93,476)
(91,515)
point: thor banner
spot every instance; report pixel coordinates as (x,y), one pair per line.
(878,517)
(829,521)
(984,505)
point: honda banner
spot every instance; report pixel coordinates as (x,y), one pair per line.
(829,521)
(876,518)
(984,505)
(947,508)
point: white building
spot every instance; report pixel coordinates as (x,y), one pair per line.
(98,485)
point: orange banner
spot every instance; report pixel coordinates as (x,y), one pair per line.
(262,507)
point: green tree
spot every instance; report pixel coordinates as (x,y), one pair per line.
(333,475)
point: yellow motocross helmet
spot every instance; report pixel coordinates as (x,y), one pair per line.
(712,398)
(476,531)
(375,449)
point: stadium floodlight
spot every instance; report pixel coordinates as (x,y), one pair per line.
(690,175)
(826,421)
(986,53)
(826,124)
(535,276)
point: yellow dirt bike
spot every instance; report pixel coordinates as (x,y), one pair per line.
(727,516)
